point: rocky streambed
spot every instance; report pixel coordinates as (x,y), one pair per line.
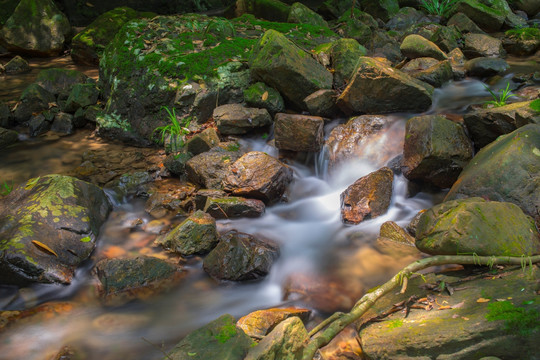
(273,168)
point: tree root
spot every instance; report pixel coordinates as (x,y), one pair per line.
(338,321)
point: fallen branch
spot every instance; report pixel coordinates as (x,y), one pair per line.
(336,323)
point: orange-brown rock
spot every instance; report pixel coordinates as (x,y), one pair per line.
(298,132)
(368,197)
(259,323)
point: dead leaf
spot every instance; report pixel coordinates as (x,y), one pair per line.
(465,318)
(482,300)
(44,247)
(458,305)
(264,96)
(89,4)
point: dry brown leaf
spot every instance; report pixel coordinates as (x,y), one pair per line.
(482,300)
(264,96)
(89,4)
(44,247)
(458,305)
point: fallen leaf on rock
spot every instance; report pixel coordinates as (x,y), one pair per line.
(458,305)
(482,300)
(44,247)
(465,318)
(264,96)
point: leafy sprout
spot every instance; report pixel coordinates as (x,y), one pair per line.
(6,188)
(502,98)
(439,7)
(535,105)
(175,131)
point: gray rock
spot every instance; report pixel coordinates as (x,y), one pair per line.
(480,45)
(63,123)
(485,67)
(233,207)
(464,24)
(17,65)
(430,70)
(323,103)
(301,14)
(176,163)
(8,137)
(210,168)
(234,119)
(34,99)
(58,81)
(488,18)
(38,125)
(203,141)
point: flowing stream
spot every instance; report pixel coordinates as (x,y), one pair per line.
(315,246)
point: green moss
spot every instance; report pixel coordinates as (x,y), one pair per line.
(392,324)
(226,332)
(516,319)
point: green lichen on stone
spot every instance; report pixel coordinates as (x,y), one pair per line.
(516,319)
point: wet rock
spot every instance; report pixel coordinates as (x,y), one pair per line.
(354,139)
(128,184)
(203,194)
(464,24)
(234,119)
(416,46)
(49,226)
(169,198)
(58,81)
(430,70)
(480,45)
(285,342)
(233,207)
(465,329)
(254,96)
(379,88)
(220,339)
(259,323)
(7,137)
(298,132)
(133,278)
(284,66)
(81,95)
(36,28)
(383,10)
(323,103)
(488,18)
(34,99)
(239,256)
(506,170)
(368,197)
(405,18)
(258,175)
(392,231)
(344,54)
(359,27)
(485,67)
(38,125)
(17,65)
(301,14)
(457,61)
(87,46)
(202,141)
(195,235)
(63,123)
(477,226)
(435,150)
(210,168)
(486,125)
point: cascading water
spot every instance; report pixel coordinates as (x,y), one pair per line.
(308,229)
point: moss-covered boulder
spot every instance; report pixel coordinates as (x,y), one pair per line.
(458,327)
(284,66)
(195,235)
(379,88)
(60,81)
(435,151)
(48,226)
(190,62)
(344,55)
(301,14)
(415,46)
(383,9)
(233,207)
(258,175)
(486,125)
(81,96)
(239,256)
(88,45)
(37,28)
(260,95)
(219,339)
(464,24)
(359,27)
(506,170)
(298,132)
(17,65)
(490,17)
(477,226)
(521,41)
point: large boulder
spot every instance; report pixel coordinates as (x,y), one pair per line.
(258,175)
(293,72)
(477,45)
(506,170)
(301,14)
(298,132)
(88,45)
(234,119)
(379,88)
(416,46)
(458,327)
(344,54)
(37,28)
(486,125)
(359,138)
(485,66)
(195,235)
(49,225)
(368,197)
(464,24)
(239,256)
(489,18)
(435,151)
(220,339)
(473,225)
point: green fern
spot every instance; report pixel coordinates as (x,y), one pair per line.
(502,98)
(175,131)
(439,7)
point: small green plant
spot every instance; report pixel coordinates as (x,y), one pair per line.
(6,188)
(226,332)
(233,147)
(535,105)
(516,319)
(502,98)
(114,120)
(175,131)
(439,7)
